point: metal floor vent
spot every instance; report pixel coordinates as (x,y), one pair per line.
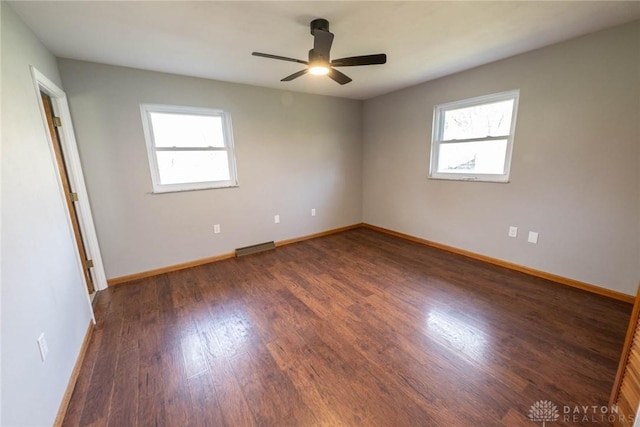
(253,249)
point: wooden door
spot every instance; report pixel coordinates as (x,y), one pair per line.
(626,388)
(70,197)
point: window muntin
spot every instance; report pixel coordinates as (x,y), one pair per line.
(473,138)
(188,148)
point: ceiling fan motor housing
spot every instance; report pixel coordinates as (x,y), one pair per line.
(315,57)
(319,24)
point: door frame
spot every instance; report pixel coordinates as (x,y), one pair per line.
(74,172)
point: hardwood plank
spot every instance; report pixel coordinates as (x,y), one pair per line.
(124,401)
(356,328)
(288,351)
(151,411)
(235,409)
(270,393)
(99,392)
(205,408)
(80,391)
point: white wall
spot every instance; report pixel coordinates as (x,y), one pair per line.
(575,175)
(294,151)
(42,285)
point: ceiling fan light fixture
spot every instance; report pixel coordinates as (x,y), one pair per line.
(319,70)
(318,64)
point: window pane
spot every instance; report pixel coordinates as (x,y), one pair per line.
(177,167)
(479,121)
(180,130)
(483,157)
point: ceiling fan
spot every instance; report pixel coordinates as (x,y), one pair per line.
(319,62)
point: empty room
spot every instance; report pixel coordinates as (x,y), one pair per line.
(318,213)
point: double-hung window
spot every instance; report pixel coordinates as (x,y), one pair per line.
(189,148)
(473,138)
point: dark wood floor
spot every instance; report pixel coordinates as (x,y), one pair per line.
(357,328)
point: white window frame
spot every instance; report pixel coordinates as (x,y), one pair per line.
(158,187)
(438,130)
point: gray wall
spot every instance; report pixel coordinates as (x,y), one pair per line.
(295,152)
(42,285)
(575,175)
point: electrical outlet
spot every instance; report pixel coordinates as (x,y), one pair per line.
(313,212)
(216,228)
(533,237)
(513,231)
(42,345)
(276,219)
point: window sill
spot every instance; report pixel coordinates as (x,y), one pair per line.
(495,180)
(181,190)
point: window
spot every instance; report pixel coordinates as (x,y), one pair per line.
(189,148)
(473,138)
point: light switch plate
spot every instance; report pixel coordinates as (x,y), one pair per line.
(533,237)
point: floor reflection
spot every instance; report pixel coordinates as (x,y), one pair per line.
(457,333)
(234,332)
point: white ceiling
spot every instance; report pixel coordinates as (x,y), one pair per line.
(423,40)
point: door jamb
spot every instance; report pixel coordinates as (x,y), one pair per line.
(74,170)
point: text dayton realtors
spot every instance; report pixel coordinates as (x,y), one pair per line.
(595,414)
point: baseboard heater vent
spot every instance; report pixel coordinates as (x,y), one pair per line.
(254,249)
